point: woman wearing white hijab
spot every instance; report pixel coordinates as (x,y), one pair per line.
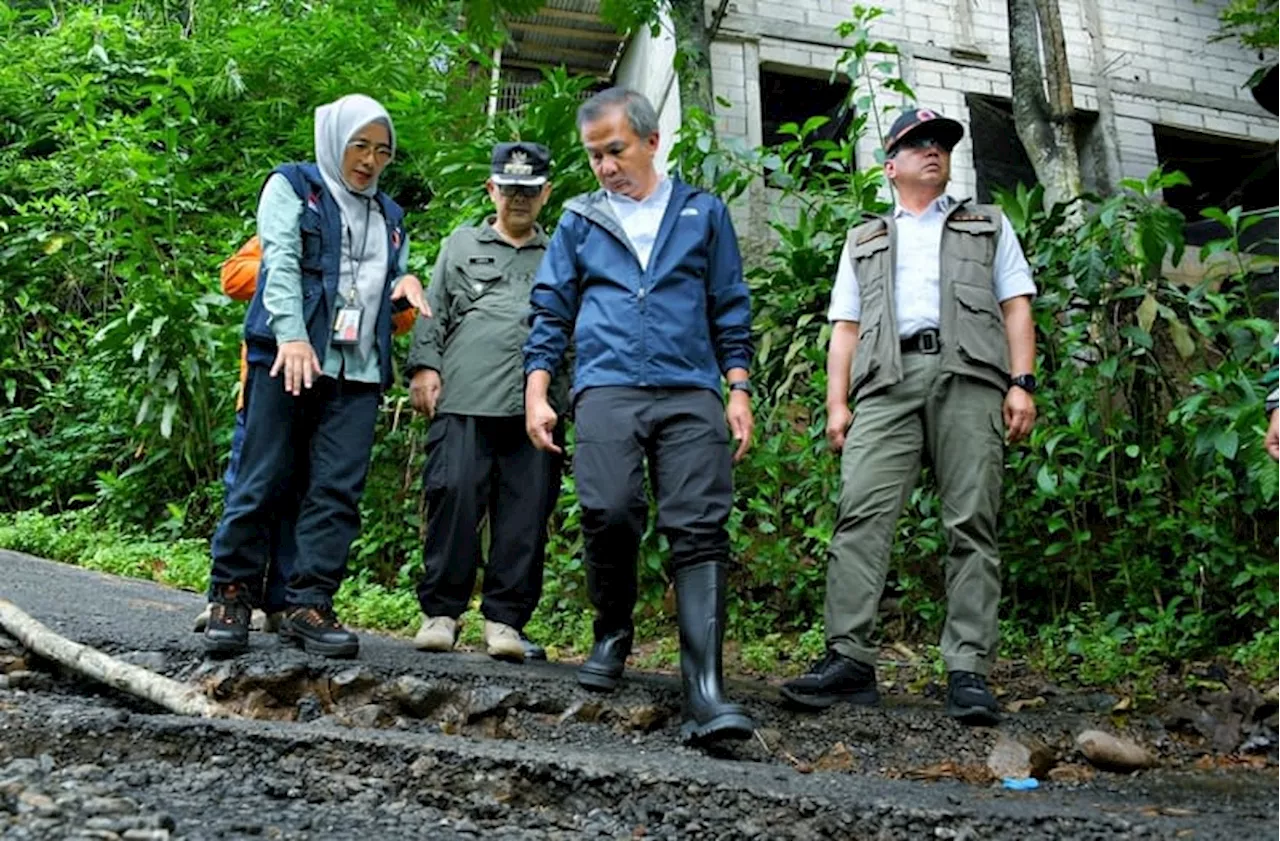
(318,334)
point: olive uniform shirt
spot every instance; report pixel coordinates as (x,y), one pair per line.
(479,295)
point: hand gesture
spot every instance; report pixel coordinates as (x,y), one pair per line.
(1019,414)
(424,391)
(838,420)
(408,286)
(539,422)
(741,422)
(298,361)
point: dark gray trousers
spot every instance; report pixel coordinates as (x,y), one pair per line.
(682,435)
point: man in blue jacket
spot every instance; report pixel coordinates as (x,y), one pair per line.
(646,276)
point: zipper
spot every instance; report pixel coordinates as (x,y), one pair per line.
(614,228)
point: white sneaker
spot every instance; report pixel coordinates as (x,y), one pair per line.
(503,642)
(438,633)
(202,620)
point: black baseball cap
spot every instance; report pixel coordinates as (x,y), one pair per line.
(525,164)
(922,122)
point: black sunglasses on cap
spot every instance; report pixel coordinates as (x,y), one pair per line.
(527,190)
(923,141)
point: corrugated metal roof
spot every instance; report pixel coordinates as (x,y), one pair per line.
(568,32)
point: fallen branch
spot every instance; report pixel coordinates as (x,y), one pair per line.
(90,662)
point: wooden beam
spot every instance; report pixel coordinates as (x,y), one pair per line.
(565,14)
(596,73)
(555,53)
(567,32)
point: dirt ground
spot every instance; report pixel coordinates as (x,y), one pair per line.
(403,745)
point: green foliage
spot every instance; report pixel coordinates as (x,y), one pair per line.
(1256,25)
(75,539)
(132,148)
(1144,489)
(1139,521)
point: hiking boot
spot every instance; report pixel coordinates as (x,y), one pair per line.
(227,628)
(316,630)
(532,651)
(604,667)
(503,642)
(833,678)
(438,633)
(969,701)
(258,620)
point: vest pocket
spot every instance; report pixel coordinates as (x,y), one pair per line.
(309,234)
(866,359)
(980,329)
(977,240)
(311,299)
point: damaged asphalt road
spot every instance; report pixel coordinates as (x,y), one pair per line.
(403,745)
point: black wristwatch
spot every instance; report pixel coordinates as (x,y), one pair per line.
(1026,382)
(741,385)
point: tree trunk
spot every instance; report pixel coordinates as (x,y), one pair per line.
(1045,124)
(1112,171)
(90,662)
(693,57)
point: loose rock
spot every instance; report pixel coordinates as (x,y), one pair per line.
(1020,759)
(1113,753)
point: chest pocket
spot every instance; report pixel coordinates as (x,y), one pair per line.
(475,281)
(309,229)
(311,265)
(871,264)
(976,240)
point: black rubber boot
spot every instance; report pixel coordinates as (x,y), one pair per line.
(700,611)
(604,667)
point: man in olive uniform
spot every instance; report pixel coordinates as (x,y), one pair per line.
(467,374)
(931,317)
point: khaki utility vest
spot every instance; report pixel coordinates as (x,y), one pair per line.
(972,335)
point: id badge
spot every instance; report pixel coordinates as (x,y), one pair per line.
(346,325)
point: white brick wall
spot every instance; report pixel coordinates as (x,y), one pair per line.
(1156,55)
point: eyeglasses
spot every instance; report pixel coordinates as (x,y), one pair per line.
(381,151)
(529,191)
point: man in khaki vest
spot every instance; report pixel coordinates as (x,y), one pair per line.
(932,338)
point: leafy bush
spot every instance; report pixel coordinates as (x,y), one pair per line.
(1139,521)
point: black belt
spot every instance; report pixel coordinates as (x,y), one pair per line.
(926,341)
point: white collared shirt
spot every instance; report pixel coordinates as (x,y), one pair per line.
(642,219)
(917,264)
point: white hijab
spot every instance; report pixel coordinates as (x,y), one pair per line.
(336,124)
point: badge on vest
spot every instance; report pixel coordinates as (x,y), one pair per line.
(480,261)
(882,231)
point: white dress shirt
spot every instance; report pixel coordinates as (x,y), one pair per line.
(917,263)
(641,219)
